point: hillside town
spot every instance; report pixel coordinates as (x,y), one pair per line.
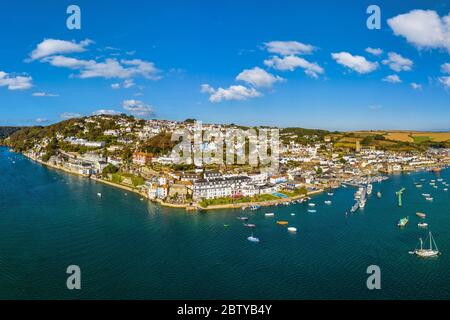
(137,155)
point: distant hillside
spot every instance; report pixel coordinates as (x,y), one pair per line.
(395,140)
(7,131)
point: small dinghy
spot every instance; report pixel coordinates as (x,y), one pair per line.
(253,239)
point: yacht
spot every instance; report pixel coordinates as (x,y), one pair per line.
(403,222)
(427,253)
(269,214)
(253,239)
(327,202)
(421,215)
(422,224)
(369,189)
(292,229)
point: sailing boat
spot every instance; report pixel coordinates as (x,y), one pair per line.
(427,253)
(252,238)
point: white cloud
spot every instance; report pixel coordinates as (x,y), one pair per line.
(445,68)
(50,47)
(416,86)
(258,77)
(137,108)
(356,63)
(110,68)
(105,112)
(374,51)
(393,78)
(423,28)
(44,94)
(128,83)
(231,93)
(445,81)
(287,48)
(41,120)
(290,63)
(13,82)
(398,63)
(69,115)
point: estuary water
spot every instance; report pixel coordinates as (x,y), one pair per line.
(128,248)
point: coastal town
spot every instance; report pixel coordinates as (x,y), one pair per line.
(137,155)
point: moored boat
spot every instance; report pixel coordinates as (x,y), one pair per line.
(253,239)
(282,222)
(292,229)
(421,215)
(427,253)
(403,222)
(422,224)
(269,214)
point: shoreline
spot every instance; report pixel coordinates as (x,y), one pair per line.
(187,207)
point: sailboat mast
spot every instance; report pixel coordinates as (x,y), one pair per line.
(431,246)
(420,240)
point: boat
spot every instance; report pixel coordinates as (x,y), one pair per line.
(269,214)
(426,194)
(292,214)
(422,224)
(226,225)
(330,193)
(327,202)
(282,222)
(312,211)
(440,180)
(445,189)
(292,229)
(99,194)
(249,225)
(379,194)
(429,198)
(311,204)
(242,218)
(403,222)
(253,239)
(418,186)
(369,189)
(421,215)
(354,208)
(427,253)
(362,203)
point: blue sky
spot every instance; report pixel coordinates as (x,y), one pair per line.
(289,63)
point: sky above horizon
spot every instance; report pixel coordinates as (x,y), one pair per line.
(284,63)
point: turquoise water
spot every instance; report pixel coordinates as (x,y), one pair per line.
(127,248)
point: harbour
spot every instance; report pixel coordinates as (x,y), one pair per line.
(136,249)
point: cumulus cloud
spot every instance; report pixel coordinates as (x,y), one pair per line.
(41,120)
(290,63)
(374,51)
(393,78)
(69,115)
(109,68)
(50,47)
(445,68)
(356,63)
(416,86)
(398,63)
(13,82)
(258,77)
(287,48)
(128,83)
(423,28)
(44,94)
(445,81)
(137,108)
(231,93)
(109,112)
